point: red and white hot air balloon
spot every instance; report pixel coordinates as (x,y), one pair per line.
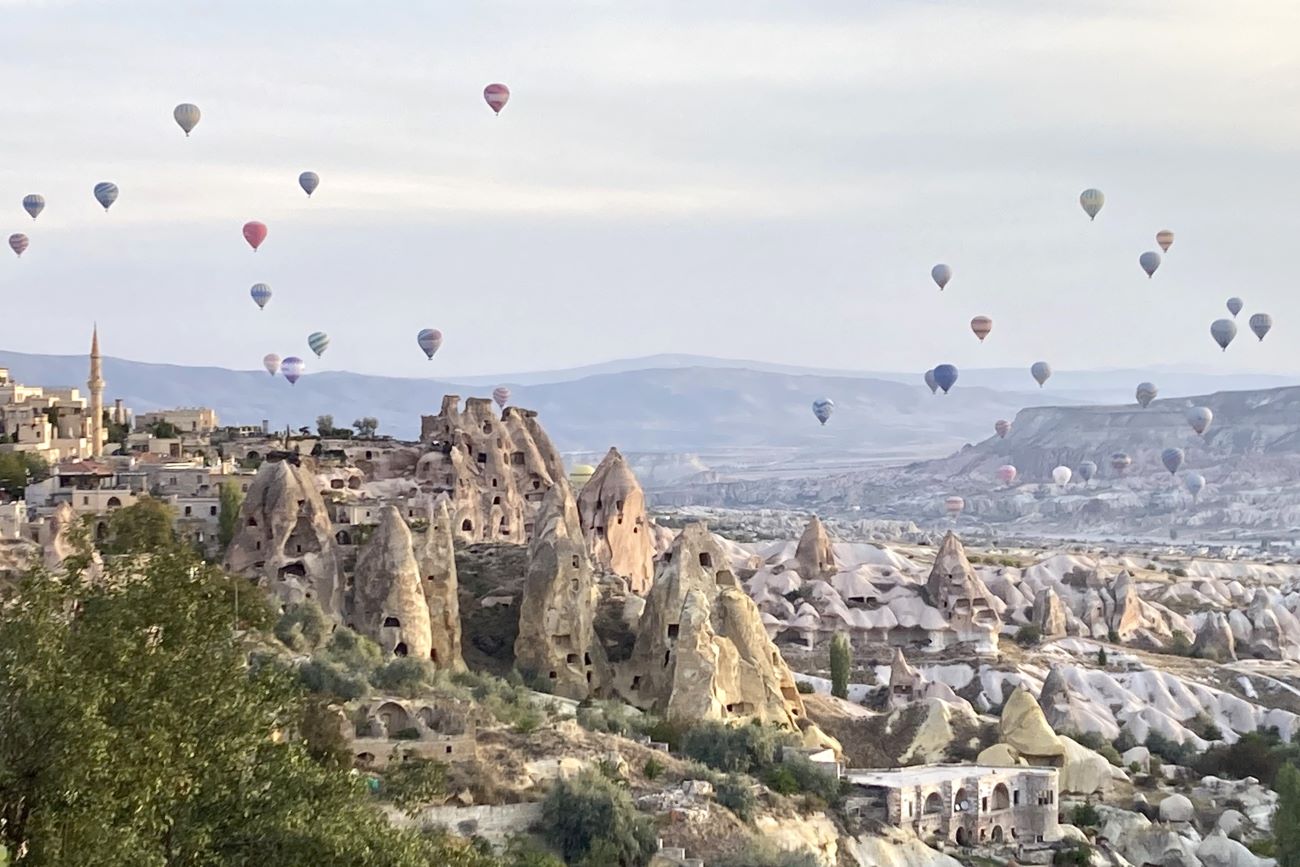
(254,234)
(501,395)
(1006,474)
(496,95)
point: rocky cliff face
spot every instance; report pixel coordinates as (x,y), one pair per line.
(701,650)
(284,539)
(387,601)
(436,557)
(614,523)
(495,470)
(557,639)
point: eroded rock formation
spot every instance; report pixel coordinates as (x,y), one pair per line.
(1050,614)
(436,556)
(612,508)
(814,554)
(1025,730)
(495,470)
(284,539)
(557,638)
(1214,640)
(387,601)
(967,605)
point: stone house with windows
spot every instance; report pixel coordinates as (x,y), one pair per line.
(970,805)
(390,729)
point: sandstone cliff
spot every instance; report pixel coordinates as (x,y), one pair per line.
(495,470)
(436,556)
(284,539)
(386,601)
(557,639)
(612,508)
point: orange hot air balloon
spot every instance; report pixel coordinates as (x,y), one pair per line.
(254,234)
(981,325)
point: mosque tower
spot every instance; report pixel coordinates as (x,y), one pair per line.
(96,386)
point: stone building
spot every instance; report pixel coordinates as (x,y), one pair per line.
(394,729)
(186,419)
(970,805)
(494,470)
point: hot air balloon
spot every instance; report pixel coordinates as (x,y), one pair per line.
(941,274)
(1150,261)
(497,95)
(1119,462)
(430,340)
(1092,200)
(261,294)
(822,408)
(1087,469)
(1165,239)
(319,341)
(34,204)
(580,475)
(1223,330)
(18,243)
(1260,323)
(187,116)
(1006,474)
(1195,483)
(309,181)
(954,505)
(1041,371)
(254,234)
(292,368)
(271,362)
(1146,392)
(106,193)
(1234,306)
(946,376)
(1002,427)
(501,395)
(1172,459)
(1199,417)
(931,382)
(981,325)
(1061,475)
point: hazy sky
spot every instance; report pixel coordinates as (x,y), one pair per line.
(769,180)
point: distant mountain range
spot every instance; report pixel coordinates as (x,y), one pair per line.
(667,404)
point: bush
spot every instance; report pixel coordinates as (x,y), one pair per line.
(732,749)
(804,687)
(1085,816)
(663,731)
(653,768)
(1028,635)
(407,677)
(1257,754)
(331,679)
(302,627)
(736,794)
(798,775)
(1079,855)
(413,783)
(841,663)
(761,853)
(1180,645)
(592,821)
(1171,751)
(1110,754)
(522,852)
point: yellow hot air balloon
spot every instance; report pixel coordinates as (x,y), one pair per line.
(580,475)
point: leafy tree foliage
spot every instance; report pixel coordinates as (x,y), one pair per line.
(143,527)
(733,749)
(366,427)
(164,430)
(231,498)
(590,820)
(841,663)
(18,469)
(1286,819)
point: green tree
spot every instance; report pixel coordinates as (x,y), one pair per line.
(143,527)
(164,430)
(15,473)
(231,498)
(134,731)
(366,427)
(324,425)
(1101,657)
(841,663)
(591,820)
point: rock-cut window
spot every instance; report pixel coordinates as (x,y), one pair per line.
(392,621)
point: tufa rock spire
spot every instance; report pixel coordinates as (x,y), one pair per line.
(614,523)
(436,557)
(388,603)
(815,556)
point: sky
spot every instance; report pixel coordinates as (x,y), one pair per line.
(767,180)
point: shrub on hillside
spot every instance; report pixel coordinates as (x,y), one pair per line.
(733,749)
(407,677)
(761,853)
(589,817)
(1028,635)
(736,793)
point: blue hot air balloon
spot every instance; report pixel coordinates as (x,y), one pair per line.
(1234,306)
(34,204)
(106,193)
(946,376)
(1150,261)
(1087,469)
(292,368)
(1261,323)
(319,341)
(261,294)
(430,340)
(1223,330)
(822,408)
(1172,459)
(309,181)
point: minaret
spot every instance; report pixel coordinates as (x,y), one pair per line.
(96,386)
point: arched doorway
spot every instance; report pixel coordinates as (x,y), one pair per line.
(933,804)
(963,837)
(997,834)
(1001,797)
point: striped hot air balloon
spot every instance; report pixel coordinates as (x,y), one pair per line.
(18,243)
(1119,462)
(954,506)
(1234,306)
(981,325)
(1261,324)
(1165,239)
(496,95)
(254,234)
(1091,201)
(822,409)
(33,204)
(1146,392)
(187,116)
(319,341)
(1172,459)
(309,181)
(292,368)
(501,395)
(106,193)
(1002,427)
(261,293)
(430,340)
(271,362)
(1199,417)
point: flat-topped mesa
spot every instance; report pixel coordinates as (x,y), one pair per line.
(814,554)
(386,602)
(701,650)
(435,553)
(495,470)
(614,523)
(284,539)
(968,606)
(557,637)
